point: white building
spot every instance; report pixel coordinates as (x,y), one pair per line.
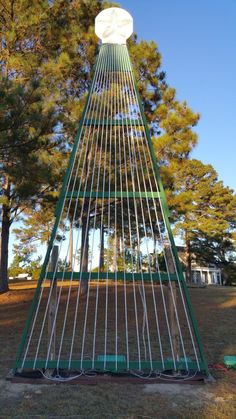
(206,275)
(209,275)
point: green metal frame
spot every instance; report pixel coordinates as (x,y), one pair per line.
(112,366)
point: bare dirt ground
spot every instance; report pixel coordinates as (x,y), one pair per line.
(215,308)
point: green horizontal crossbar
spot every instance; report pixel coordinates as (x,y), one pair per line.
(112,194)
(137,276)
(112,366)
(116,122)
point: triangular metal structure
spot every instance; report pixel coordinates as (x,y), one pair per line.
(111,296)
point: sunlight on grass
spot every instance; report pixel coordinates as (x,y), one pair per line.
(230,303)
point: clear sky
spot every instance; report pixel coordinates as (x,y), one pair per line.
(197,40)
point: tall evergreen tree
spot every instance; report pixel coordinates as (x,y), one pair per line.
(205,214)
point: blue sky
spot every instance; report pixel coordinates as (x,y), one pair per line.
(197,40)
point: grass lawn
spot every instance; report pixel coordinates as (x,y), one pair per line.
(215,308)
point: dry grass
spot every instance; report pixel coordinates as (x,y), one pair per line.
(215,309)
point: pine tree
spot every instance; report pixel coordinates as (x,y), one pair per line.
(204,212)
(46,51)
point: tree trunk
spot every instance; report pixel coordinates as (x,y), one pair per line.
(53,305)
(6,224)
(172,303)
(189,262)
(114,252)
(84,249)
(85,231)
(101,259)
(154,262)
(71,246)
(122,255)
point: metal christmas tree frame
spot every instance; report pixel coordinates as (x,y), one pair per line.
(111,296)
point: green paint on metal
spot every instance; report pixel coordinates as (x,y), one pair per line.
(128,276)
(230,361)
(111,358)
(116,51)
(112,366)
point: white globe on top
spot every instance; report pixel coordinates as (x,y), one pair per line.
(114,25)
